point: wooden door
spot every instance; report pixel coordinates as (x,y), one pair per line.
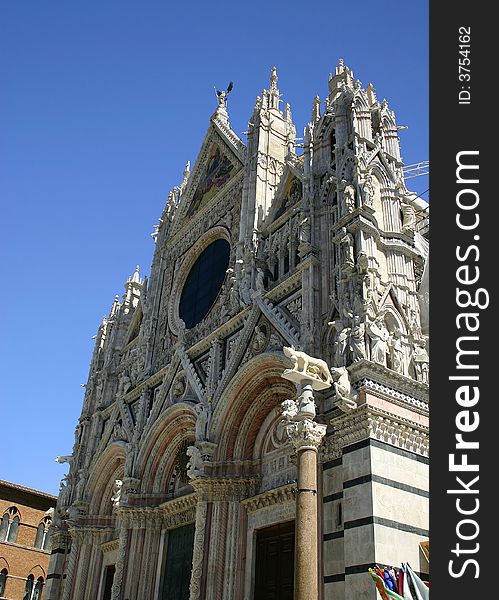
(274,572)
(108,581)
(177,573)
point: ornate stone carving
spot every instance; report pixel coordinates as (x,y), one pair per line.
(346,397)
(178,387)
(348,198)
(260,339)
(306,367)
(305,434)
(198,551)
(368,189)
(378,334)
(421,364)
(203,411)
(369,422)
(357,343)
(195,466)
(397,354)
(116,496)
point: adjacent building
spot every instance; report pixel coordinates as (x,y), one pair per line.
(25,531)
(255,422)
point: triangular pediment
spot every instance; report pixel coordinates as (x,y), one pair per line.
(217,170)
(218,162)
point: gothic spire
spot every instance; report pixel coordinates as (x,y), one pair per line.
(274,94)
(343,76)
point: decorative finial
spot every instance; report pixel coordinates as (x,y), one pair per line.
(273,80)
(341,66)
(114,306)
(316,110)
(187,169)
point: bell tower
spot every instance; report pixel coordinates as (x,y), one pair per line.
(371,262)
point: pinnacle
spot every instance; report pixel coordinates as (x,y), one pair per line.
(136,277)
(273,80)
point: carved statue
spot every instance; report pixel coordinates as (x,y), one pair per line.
(362,262)
(414,324)
(203,412)
(357,339)
(289,409)
(340,342)
(244,289)
(304,230)
(368,189)
(346,249)
(80,486)
(420,360)
(408,216)
(222,94)
(131,453)
(64,491)
(309,367)
(259,339)
(178,387)
(397,353)
(98,390)
(116,497)
(125,383)
(346,399)
(234,301)
(349,198)
(195,464)
(379,335)
(260,288)
(64,459)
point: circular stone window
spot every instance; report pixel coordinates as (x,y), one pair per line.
(203,283)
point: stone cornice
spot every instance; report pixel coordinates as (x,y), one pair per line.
(237,145)
(285,287)
(280,495)
(361,219)
(91,535)
(223,331)
(167,515)
(110,546)
(365,373)
(226,488)
(368,422)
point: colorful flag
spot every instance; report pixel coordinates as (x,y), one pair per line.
(384,592)
(406,590)
(422,592)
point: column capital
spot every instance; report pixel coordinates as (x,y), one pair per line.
(305,434)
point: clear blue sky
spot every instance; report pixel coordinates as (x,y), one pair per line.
(101,104)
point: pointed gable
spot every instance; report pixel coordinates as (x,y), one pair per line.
(218,169)
(220,159)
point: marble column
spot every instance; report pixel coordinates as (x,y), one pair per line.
(305,435)
(198,552)
(116,590)
(61,542)
(72,562)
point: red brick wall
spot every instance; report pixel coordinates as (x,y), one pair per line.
(20,558)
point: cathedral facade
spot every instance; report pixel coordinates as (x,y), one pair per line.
(255,422)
